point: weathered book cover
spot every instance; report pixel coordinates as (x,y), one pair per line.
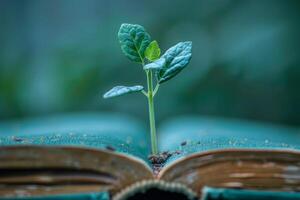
(82,157)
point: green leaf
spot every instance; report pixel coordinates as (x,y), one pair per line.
(156,65)
(121,90)
(152,51)
(134,40)
(177,58)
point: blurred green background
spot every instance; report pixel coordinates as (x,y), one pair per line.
(61,55)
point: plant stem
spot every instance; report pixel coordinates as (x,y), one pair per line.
(155,89)
(151,112)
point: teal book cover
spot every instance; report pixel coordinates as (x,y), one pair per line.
(79,154)
(234,194)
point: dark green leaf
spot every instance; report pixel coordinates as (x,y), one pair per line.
(177,58)
(152,51)
(156,65)
(121,90)
(134,40)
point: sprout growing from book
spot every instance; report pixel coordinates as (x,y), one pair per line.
(138,47)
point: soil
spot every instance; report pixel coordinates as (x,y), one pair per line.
(16,139)
(183,143)
(159,160)
(110,148)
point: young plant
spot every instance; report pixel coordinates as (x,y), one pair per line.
(137,46)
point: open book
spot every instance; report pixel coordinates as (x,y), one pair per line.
(104,156)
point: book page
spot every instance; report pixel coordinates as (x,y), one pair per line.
(189,135)
(102,131)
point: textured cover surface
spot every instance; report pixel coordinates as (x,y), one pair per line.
(197,134)
(235,194)
(87,196)
(121,133)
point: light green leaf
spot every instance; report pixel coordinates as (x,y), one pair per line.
(134,40)
(156,65)
(121,90)
(177,58)
(152,51)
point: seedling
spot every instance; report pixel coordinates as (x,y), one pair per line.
(136,44)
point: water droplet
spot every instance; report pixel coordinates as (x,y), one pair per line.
(266,141)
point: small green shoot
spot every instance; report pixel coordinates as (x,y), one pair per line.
(137,46)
